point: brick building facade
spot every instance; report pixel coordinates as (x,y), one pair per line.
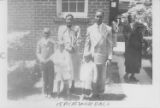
(34,15)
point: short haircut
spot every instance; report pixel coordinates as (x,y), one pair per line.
(69,15)
(130,16)
(100,10)
(46,30)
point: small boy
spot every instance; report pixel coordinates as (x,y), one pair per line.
(45,50)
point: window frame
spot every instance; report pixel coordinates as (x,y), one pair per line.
(75,14)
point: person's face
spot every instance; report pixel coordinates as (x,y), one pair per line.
(61,47)
(46,34)
(69,21)
(87,59)
(130,19)
(99,17)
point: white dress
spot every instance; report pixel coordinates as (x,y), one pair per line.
(61,66)
(88,74)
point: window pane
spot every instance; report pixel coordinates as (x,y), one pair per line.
(81,0)
(64,1)
(80,7)
(73,0)
(64,7)
(72,7)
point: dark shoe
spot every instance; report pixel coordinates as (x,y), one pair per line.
(133,79)
(126,78)
(84,97)
(72,90)
(95,97)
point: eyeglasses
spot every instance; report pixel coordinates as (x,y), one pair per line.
(46,32)
(99,16)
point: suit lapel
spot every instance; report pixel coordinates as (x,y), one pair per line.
(96,36)
(100,34)
(130,28)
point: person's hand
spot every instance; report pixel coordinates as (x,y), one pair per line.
(41,60)
(108,62)
(79,42)
(70,49)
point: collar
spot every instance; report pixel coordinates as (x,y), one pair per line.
(99,26)
(71,28)
(46,40)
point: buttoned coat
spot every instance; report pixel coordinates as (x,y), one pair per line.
(99,43)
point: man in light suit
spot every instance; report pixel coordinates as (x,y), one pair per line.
(99,46)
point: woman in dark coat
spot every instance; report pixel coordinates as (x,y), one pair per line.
(133,54)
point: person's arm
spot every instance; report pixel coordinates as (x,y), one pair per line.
(68,46)
(125,31)
(78,36)
(113,27)
(87,45)
(38,52)
(109,45)
(60,36)
(52,48)
(113,34)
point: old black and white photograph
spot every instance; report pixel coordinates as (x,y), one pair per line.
(79,53)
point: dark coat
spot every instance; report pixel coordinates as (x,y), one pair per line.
(127,30)
(133,54)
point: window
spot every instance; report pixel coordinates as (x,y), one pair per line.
(78,8)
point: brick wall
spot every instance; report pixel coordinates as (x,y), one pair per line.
(34,15)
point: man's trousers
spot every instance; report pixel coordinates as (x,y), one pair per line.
(99,84)
(48,77)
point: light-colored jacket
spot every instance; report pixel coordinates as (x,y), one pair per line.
(99,43)
(45,50)
(69,37)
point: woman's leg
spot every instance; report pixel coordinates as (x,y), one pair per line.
(58,88)
(67,88)
(45,79)
(126,76)
(133,78)
(128,71)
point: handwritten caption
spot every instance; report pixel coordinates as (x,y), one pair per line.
(95,103)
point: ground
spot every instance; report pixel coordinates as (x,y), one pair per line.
(25,90)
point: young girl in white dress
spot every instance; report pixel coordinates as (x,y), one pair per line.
(88,75)
(62,70)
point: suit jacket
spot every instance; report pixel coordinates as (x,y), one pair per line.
(99,43)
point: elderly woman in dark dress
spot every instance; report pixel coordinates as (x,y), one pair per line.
(133,54)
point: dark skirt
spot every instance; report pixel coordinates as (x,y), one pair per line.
(133,60)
